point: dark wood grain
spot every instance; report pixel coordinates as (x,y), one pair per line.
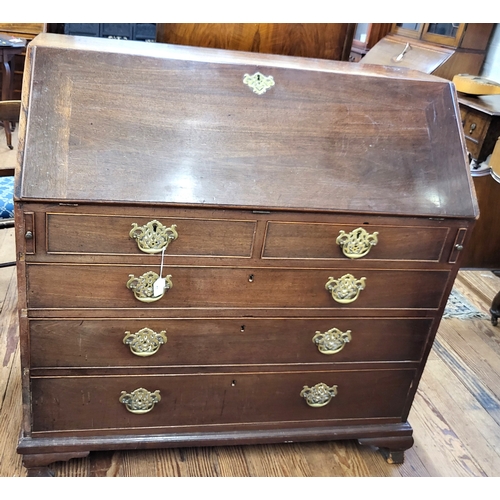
(79,403)
(207,139)
(105,287)
(207,341)
(318,40)
(259,187)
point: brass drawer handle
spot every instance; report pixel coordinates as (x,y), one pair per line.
(318,395)
(345,289)
(357,243)
(400,56)
(332,341)
(140,401)
(153,237)
(145,342)
(144,289)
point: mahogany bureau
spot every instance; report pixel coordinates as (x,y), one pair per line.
(220,247)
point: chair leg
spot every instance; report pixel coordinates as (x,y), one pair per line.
(8,134)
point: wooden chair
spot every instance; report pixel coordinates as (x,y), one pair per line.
(9,115)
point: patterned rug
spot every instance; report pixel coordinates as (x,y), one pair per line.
(459,307)
(6,197)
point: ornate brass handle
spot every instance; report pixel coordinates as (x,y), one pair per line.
(357,243)
(332,341)
(153,237)
(144,286)
(258,82)
(140,401)
(145,342)
(318,395)
(345,289)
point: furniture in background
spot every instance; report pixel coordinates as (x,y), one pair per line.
(481,121)
(441,49)
(494,163)
(145,32)
(319,40)
(26,31)
(365,37)
(9,112)
(241,272)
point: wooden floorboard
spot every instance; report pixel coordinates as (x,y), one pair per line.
(455,415)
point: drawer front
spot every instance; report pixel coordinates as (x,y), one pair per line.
(78,403)
(101,286)
(93,234)
(319,241)
(122,343)
(475,127)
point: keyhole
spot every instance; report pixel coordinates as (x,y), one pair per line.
(233,383)
(242,329)
(250,278)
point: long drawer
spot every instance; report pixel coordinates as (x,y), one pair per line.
(79,403)
(101,286)
(167,342)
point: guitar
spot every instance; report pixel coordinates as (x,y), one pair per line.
(475,85)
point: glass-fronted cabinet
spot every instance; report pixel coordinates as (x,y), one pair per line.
(441,49)
(444,33)
(410,30)
(441,33)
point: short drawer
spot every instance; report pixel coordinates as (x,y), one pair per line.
(101,286)
(110,235)
(293,240)
(173,342)
(475,127)
(93,402)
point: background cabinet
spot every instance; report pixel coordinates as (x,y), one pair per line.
(319,40)
(441,49)
(28,31)
(125,31)
(481,120)
(366,36)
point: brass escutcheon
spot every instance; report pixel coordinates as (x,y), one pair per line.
(318,395)
(345,289)
(331,341)
(258,82)
(140,401)
(357,243)
(143,286)
(145,342)
(153,237)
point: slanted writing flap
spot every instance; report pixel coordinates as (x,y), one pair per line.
(132,122)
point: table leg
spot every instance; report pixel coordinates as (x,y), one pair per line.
(495,310)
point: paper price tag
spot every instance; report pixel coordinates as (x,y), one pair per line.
(159,287)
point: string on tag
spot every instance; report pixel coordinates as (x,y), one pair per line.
(161,264)
(159,284)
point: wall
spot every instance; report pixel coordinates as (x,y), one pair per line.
(491,65)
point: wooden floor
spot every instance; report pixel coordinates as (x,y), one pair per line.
(455,416)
